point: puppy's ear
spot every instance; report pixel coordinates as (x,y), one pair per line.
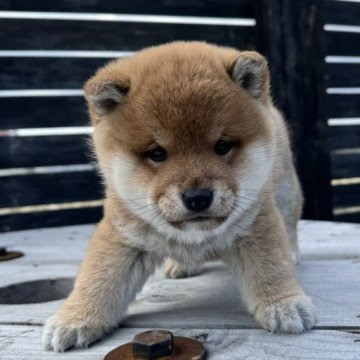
(104,95)
(250,71)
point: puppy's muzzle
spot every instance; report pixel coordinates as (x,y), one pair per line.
(197,200)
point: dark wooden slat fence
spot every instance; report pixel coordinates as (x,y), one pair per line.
(336,12)
(213,8)
(45,112)
(296,52)
(343,71)
(46,218)
(62,52)
(343,43)
(49,188)
(345,164)
(343,75)
(47,73)
(93,35)
(22,152)
(343,105)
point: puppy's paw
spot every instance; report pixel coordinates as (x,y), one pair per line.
(292,315)
(61,334)
(176,270)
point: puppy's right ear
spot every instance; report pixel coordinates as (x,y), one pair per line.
(104,95)
(251,72)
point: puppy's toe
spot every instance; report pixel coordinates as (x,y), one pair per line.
(59,335)
(176,270)
(292,315)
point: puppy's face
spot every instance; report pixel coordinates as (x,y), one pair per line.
(181,137)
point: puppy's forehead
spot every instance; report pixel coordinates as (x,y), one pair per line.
(183,100)
(182,95)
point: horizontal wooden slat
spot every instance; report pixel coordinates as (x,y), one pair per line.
(346,195)
(344,137)
(343,75)
(196,301)
(49,188)
(188,306)
(340,106)
(318,240)
(227,8)
(342,43)
(220,344)
(93,35)
(46,73)
(43,151)
(341,12)
(33,112)
(345,166)
(50,219)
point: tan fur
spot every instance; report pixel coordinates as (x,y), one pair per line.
(185,97)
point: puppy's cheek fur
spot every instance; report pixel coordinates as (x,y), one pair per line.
(259,162)
(224,200)
(125,181)
(251,174)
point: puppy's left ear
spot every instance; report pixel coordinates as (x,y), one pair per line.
(104,94)
(251,72)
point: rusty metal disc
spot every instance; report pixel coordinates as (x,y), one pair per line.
(184,349)
(9,255)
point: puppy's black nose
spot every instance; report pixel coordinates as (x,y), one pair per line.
(197,199)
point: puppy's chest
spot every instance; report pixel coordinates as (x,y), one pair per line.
(161,247)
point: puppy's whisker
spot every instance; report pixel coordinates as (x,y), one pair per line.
(243,202)
(140,198)
(241,198)
(249,197)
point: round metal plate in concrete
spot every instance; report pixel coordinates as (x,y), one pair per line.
(37,291)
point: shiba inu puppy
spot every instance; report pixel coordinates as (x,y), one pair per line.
(197,166)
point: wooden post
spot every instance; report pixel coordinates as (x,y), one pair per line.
(291,35)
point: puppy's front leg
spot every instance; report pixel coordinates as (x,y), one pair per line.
(266,277)
(109,278)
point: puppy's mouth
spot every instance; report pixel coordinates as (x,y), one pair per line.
(201,220)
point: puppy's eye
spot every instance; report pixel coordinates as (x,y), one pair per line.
(157,154)
(222,147)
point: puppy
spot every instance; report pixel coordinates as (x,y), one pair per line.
(197,166)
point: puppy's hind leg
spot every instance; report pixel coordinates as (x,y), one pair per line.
(174,269)
(290,201)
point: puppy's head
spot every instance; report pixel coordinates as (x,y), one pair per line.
(181,135)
